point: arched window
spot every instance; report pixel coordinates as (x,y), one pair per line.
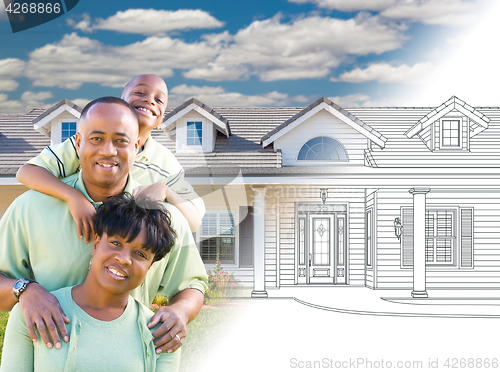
(322,149)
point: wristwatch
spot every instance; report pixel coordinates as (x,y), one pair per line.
(20,286)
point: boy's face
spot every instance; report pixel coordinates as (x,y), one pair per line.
(148,94)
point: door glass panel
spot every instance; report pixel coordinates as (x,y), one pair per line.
(341,238)
(302,241)
(321,241)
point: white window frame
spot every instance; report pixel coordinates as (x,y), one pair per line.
(200,237)
(444,146)
(68,121)
(453,237)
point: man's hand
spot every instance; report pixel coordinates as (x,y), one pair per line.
(42,309)
(181,309)
(83,213)
(172,333)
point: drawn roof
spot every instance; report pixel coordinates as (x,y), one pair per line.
(319,104)
(452,104)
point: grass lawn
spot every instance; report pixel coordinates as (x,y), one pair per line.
(210,325)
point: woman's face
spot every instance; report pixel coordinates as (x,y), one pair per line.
(119,266)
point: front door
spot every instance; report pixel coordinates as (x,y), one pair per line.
(322,248)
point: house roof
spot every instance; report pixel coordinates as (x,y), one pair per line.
(243,150)
(221,122)
(42,122)
(319,104)
(18,141)
(452,104)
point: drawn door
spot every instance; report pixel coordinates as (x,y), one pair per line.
(321,248)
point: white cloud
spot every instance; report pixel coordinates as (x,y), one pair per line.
(385,73)
(218,97)
(3,13)
(349,5)
(28,101)
(150,21)
(76,60)
(436,12)
(351,100)
(304,48)
(442,12)
(10,68)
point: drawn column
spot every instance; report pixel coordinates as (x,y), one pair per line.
(419,285)
(259,286)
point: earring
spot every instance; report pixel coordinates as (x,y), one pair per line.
(142,286)
(90,263)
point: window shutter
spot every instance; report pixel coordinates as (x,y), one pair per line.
(466,228)
(246,238)
(407,237)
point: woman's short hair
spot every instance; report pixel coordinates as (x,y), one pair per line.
(125,216)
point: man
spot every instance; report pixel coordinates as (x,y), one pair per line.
(39,240)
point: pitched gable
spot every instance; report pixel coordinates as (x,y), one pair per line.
(219,121)
(474,122)
(334,109)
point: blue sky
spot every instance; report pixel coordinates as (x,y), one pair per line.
(258,53)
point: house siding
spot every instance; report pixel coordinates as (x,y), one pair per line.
(486,240)
(322,124)
(286,231)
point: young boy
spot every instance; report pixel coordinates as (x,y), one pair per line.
(155,166)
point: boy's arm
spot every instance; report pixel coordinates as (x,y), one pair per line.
(40,179)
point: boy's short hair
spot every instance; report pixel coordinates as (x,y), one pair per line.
(109,100)
(124,216)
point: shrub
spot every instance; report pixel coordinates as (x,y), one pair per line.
(221,285)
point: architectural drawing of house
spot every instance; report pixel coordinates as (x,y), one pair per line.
(376,197)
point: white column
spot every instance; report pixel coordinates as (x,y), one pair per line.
(419,285)
(259,285)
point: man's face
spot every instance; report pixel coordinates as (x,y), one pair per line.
(107,142)
(148,95)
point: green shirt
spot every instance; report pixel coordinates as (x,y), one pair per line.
(154,164)
(39,241)
(94,345)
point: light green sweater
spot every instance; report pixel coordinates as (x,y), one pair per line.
(124,344)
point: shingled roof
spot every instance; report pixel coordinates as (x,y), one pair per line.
(19,141)
(268,136)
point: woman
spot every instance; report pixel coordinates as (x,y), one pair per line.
(108,328)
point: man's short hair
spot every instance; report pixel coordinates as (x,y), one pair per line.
(109,100)
(124,216)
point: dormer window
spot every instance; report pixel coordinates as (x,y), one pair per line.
(194,133)
(322,149)
(68,129)
(450,133)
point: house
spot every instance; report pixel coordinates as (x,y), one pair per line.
(380,197)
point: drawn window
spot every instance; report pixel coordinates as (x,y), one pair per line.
(194,133)
(450,133)
(217,236)
(440,239)
(443,245)
(68,129)
(322,149)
